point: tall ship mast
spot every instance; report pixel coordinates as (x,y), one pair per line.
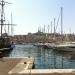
(5,42)
(61,21)
(2,3)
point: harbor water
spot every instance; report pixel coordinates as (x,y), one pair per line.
(45,58)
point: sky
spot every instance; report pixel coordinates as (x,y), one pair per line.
(28,15)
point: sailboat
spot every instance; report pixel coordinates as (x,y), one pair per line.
(5,43)
(64,46)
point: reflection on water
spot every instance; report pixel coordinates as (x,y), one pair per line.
(45,58)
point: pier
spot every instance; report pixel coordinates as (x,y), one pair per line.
(15,65)
(23,66)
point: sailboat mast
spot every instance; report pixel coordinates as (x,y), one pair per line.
(51,26)
(2,8)
(48,28)
(54,27)
(8,28)
(44,28)
(61,22)
(2,3)
(11,26)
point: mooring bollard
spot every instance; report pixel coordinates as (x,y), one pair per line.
(28,56)
(25,63)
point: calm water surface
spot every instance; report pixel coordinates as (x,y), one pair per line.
(45,58)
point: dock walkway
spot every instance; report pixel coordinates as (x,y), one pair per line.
(10,66)
(24,64)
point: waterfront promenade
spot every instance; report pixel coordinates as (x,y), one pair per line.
(8,64)
(12,66)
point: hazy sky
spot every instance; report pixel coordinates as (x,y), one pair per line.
(31,14)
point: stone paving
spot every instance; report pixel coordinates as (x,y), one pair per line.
(10,66)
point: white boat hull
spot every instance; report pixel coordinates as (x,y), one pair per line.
(64,48)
